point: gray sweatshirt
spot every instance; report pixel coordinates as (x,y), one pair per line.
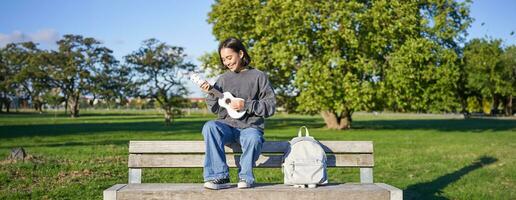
(254,87)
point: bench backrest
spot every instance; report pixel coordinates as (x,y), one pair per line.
(170,154)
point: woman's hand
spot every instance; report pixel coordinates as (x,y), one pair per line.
(205,87)
(237,104)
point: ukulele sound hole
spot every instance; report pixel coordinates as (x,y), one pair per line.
(228,101)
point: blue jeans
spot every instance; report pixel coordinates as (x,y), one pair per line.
(216,135)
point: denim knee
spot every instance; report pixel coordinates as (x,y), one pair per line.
(208,126)
(252,139)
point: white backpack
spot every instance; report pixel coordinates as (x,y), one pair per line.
(304,163)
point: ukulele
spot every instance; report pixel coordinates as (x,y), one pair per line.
(224,98)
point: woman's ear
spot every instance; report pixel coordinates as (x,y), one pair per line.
(241,54)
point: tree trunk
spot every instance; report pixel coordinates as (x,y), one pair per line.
(168,116)
(336,121)
(38,106)
(494,107)
(508,106)
(345,120)
(7,103)
(74,106)
(66,104)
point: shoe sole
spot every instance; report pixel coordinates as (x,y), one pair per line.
(239,186)
(218,186)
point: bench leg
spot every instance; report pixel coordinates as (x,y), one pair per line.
(110,193)
(366,175)
(135,175)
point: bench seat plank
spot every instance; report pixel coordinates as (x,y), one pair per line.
(260,191)
(196,160)
(268,147)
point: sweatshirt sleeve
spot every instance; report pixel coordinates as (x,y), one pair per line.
(212,102)
(265,105)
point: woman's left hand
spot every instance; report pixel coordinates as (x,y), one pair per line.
(237,104)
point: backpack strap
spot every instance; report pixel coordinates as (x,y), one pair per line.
(306,132)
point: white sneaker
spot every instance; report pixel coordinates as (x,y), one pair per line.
(242,184)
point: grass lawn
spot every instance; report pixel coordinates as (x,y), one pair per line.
(428,156)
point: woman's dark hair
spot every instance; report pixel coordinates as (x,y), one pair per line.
(237,46)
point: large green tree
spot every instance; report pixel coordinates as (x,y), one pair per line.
(113,84)
(422,76)
(74,66)
(26,75)
(33,77)
(337,57)
(509,63)
(489,71)
(10,65)
(110,81)
(159,70)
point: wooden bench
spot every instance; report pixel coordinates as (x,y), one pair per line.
(185,154)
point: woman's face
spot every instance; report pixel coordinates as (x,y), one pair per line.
(231,59)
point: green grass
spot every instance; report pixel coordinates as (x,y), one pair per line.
(428,156)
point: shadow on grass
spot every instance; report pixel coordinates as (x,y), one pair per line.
(62,115)
(282,123)
(473,125)
(12,131)
(184,125)
(71,144)
(193,125)
(433,189)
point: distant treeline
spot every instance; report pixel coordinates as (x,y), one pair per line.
(82,66)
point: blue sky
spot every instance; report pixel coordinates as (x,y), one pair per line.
(123,24)
(120,24)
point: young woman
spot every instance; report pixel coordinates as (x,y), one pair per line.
(259,102)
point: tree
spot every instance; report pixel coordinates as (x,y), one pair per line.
(74,66)
(158,70)
(422,77)
(5,79)
(110,81)
(114,84)
(32,78)
(11,63)
(333,56)
(509,72)
(488,77)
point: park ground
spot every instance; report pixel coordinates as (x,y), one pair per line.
(428,156)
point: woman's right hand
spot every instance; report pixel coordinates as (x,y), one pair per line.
(205,87)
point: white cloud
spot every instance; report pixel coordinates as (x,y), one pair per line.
(16,36)
(45,37)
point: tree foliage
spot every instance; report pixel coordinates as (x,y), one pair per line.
(482,63)
(159,69)
(83,67)
(33,76)
(10,65)
(490,72)
(76,65)
(429,84)
(509,62)
(337,57)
